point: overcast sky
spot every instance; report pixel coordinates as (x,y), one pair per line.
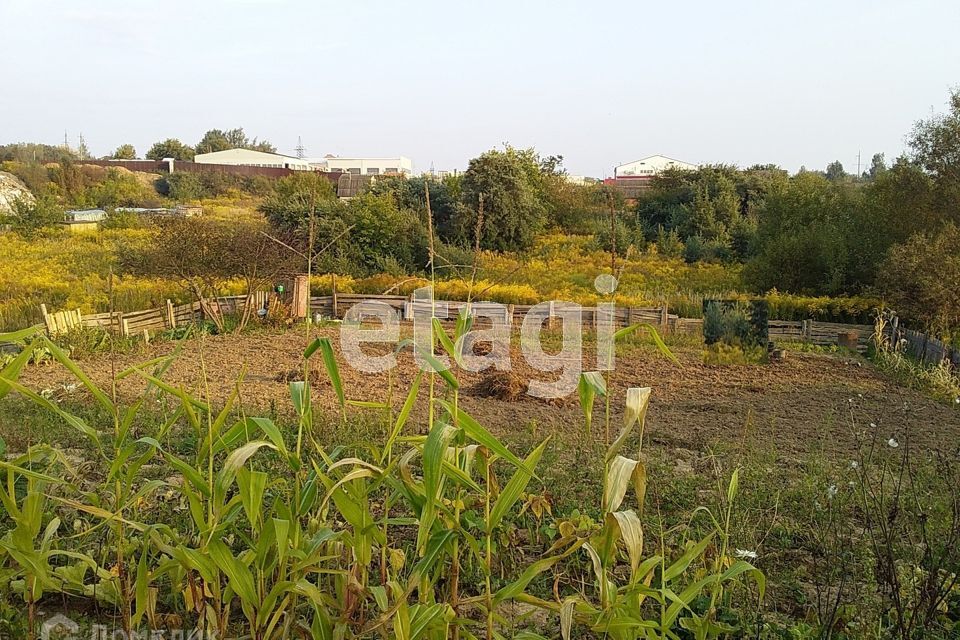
(798,83)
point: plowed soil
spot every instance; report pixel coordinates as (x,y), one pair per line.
(809,400)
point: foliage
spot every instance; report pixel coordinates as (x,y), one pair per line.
(219,140)
(120,188)
(204,255)
(184,186)
(294,197)
(735,323)
(125,152)
(511,185)
(35,154)
(804,231)
(919,278)
(29,219)
(170,148)
(621,237)
(936,146)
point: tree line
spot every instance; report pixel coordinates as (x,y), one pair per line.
(890,232)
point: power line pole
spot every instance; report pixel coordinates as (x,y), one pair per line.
(300,150)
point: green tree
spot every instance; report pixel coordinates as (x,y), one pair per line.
(919,278)
(32,153)
(120,188)
(125,152)
(805,230)
(514,211)
(29,219)
(220,140)
(936,147)
(170,148)
(878,166)
(895,205)
(410,194)
(294,198)
(377,226)
(835,171)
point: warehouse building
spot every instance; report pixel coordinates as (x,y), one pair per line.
(650,166)
(398,165)
(250,158)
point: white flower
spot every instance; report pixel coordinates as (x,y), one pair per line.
(831,491)
(873,425)
(892,443)
(957,399)
(854,464)
(743,554)
(859,395)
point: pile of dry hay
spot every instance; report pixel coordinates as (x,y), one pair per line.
(502,385)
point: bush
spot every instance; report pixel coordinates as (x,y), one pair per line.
(920,279)
(623,235)
(30,218)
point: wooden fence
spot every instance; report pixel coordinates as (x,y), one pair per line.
(926,349)
(335,306)
(819,333)
(136,323)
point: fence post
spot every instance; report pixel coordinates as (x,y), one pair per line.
(664,318)
(46,317)
(124,327)
(333,291)
(171,319)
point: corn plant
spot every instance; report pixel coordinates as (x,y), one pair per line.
(27,551)
(285,537)
(656,600)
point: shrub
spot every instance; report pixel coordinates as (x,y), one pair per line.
(920,277)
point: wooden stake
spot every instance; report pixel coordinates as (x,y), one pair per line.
(171,318)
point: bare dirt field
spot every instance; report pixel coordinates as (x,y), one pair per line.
(809,401)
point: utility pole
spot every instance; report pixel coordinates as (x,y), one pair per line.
(300,150)
(858,165)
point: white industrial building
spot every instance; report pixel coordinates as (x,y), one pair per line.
(364,166)
(250,158)
(650,166)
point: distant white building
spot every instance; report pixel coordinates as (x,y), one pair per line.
(363,166)
(250,158)
(650,166)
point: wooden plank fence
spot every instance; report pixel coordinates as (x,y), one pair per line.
(148,320)
(819,333)
(915,343)
(926,349)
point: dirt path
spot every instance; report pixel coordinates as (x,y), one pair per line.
(810,400)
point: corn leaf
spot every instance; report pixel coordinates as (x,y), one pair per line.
(514,488)
(330,363)
(476,432)
(654,335)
